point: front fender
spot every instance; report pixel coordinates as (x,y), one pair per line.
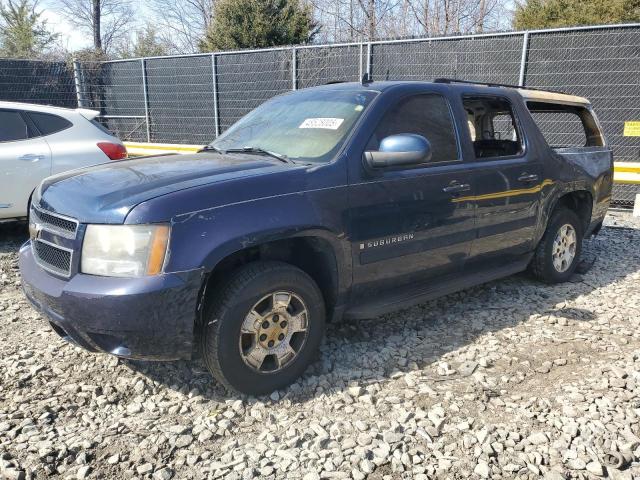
(204,238)
(257,238)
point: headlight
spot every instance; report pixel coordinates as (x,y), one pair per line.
(124,250)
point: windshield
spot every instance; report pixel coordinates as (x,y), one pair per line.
(309,125)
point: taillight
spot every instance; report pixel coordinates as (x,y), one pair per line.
(114,151)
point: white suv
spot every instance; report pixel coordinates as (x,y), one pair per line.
(37,141)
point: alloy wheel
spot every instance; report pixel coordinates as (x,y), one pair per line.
(564,248)
(274,332)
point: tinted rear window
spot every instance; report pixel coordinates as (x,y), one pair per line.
(48,124)
(12,126)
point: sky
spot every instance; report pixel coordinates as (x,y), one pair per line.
(70,37)
(73,39)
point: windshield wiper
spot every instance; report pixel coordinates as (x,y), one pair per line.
(261,151)
(210,148)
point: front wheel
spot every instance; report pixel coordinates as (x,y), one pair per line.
(558,252)
(264,328)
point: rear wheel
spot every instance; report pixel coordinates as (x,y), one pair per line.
(558,252)
(264,328)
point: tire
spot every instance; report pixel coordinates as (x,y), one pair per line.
(258,287)
(543,266)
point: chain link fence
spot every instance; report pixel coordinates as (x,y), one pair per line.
(604,66)
(37,82)
(193,98)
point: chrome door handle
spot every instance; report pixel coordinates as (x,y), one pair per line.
(31,157)
(457,188)
(526,178)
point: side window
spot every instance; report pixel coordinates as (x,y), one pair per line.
(493,127)
(566,126)
(12,126)
(504,127)
(47,123)
(427,115)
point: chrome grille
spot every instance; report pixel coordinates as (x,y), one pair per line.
(53,258)
(59,224)
(52,240)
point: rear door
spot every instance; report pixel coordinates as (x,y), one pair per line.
(72,145)
(508,179)
(25,160)
(409,226)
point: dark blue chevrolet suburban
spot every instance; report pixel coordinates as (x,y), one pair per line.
(346,200)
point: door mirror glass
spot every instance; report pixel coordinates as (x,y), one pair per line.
(402,150)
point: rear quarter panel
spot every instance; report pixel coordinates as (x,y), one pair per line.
(588,169)
(566,170)
(77,146)
(577,170)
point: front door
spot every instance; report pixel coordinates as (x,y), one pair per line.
(24,163)
(409,226)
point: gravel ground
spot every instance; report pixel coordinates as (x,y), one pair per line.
(509,379)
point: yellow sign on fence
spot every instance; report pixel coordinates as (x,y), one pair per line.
(631,129)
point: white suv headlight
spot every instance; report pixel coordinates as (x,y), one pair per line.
(124,250)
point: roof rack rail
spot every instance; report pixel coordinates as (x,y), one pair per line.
(333,82)
(491,84)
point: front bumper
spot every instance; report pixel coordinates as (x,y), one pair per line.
(150,318)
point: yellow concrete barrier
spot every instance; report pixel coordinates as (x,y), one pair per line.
(627,173)
(631,167)
(626,178)
(139,148)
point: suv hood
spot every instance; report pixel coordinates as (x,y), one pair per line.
(106,193)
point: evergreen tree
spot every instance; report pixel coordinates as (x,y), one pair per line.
(22,33)
(562,13)
(259,23)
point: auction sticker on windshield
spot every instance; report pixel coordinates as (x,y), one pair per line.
(326,123)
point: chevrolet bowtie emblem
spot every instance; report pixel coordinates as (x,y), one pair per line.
(34,230)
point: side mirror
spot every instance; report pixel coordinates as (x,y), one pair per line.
(403,150)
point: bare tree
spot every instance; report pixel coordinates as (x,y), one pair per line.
(354,19)
(437,17)
(482,13)
(371,19)
(145,43)
(338,19)
(183,21)
(107,20)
